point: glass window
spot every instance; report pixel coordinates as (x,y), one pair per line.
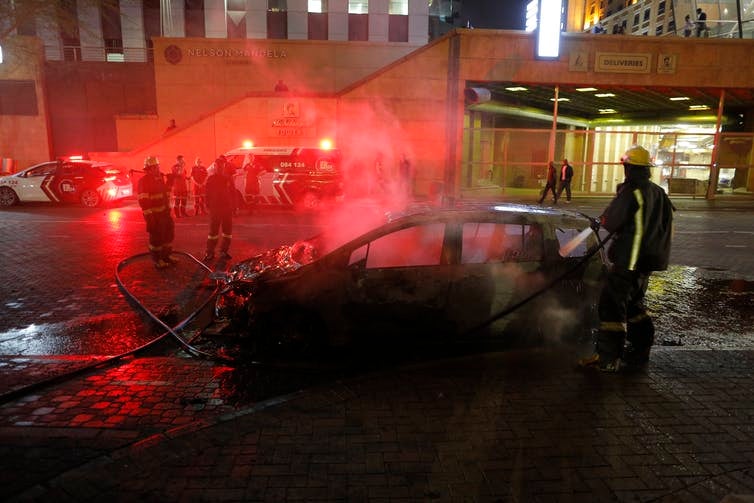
(317,6)
(420,245)
(277,6)
(399,7)
(358,6)
(566,235)
(492,242)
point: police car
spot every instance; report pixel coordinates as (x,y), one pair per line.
(300,177)
(88,183)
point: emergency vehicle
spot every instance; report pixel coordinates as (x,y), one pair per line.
(301,177)
(73,180)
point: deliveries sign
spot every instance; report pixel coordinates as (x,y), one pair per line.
(616,62)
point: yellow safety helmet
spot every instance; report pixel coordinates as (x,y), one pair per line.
(151,162)
(637,155)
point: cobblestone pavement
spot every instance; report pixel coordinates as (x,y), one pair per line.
(504,426)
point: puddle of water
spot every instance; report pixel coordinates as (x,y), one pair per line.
(699,308)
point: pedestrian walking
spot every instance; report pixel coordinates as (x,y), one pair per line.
(221,205)
(199,177)
(154,200)
(640,218)
(550,184)
(179,185)
(566,174)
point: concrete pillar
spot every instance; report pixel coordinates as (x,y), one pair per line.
(378,20)
(132,29)
(298,20)
(418,22)
(256,19)
(337,19)
(92,43)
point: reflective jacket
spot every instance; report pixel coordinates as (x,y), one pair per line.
(153,195)
(641,216)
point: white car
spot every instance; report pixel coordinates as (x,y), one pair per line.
(89,183)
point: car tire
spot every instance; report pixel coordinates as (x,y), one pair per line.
(8,197)
(90,198)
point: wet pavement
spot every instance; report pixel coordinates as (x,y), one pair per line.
(512,425)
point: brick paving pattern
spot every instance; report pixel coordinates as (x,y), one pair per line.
(506,426)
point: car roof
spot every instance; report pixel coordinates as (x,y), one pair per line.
(490,208)
(277,150)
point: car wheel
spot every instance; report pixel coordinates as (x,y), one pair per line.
(310,201)
(8,197)
(90,198)
(288,333)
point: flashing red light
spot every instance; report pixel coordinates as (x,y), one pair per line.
(325,144)
(248,144)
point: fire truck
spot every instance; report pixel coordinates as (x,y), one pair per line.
(305,178)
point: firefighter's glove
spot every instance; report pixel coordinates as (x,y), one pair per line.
(595,224)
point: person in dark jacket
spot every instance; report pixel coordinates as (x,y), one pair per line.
(565,177)
(640,217)
(221,204)
(154,200)
(552,180)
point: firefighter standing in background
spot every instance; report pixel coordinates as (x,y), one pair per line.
(154,200)
(180,188)
(220,202)
(199,177)
(641,220)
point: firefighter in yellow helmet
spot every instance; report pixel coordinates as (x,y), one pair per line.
(154,200)
(640,218)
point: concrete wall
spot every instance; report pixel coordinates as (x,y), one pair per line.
(200,75)
(24,138)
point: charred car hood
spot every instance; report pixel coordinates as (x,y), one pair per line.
(274,263)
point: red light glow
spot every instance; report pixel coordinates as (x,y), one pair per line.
(248,144)
(325,144)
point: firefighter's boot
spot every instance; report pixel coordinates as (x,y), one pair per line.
(166,251)
(159,263)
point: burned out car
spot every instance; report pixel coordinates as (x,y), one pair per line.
(426,274)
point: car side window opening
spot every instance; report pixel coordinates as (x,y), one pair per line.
(44,170)
(565,235)
(485,242)
(419,245)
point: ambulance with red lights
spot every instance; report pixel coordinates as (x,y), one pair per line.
(305,178)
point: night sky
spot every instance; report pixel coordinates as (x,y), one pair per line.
(496,14)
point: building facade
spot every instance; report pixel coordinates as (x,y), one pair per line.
(382,99)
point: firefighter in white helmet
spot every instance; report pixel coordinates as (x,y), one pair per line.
(154,200)
(641,219)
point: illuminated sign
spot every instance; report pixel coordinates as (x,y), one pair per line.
(548,29)
(1,54)
(616,62)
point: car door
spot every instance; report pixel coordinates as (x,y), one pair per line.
(399,283)
(35,185)
(498,267)
(68,182)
